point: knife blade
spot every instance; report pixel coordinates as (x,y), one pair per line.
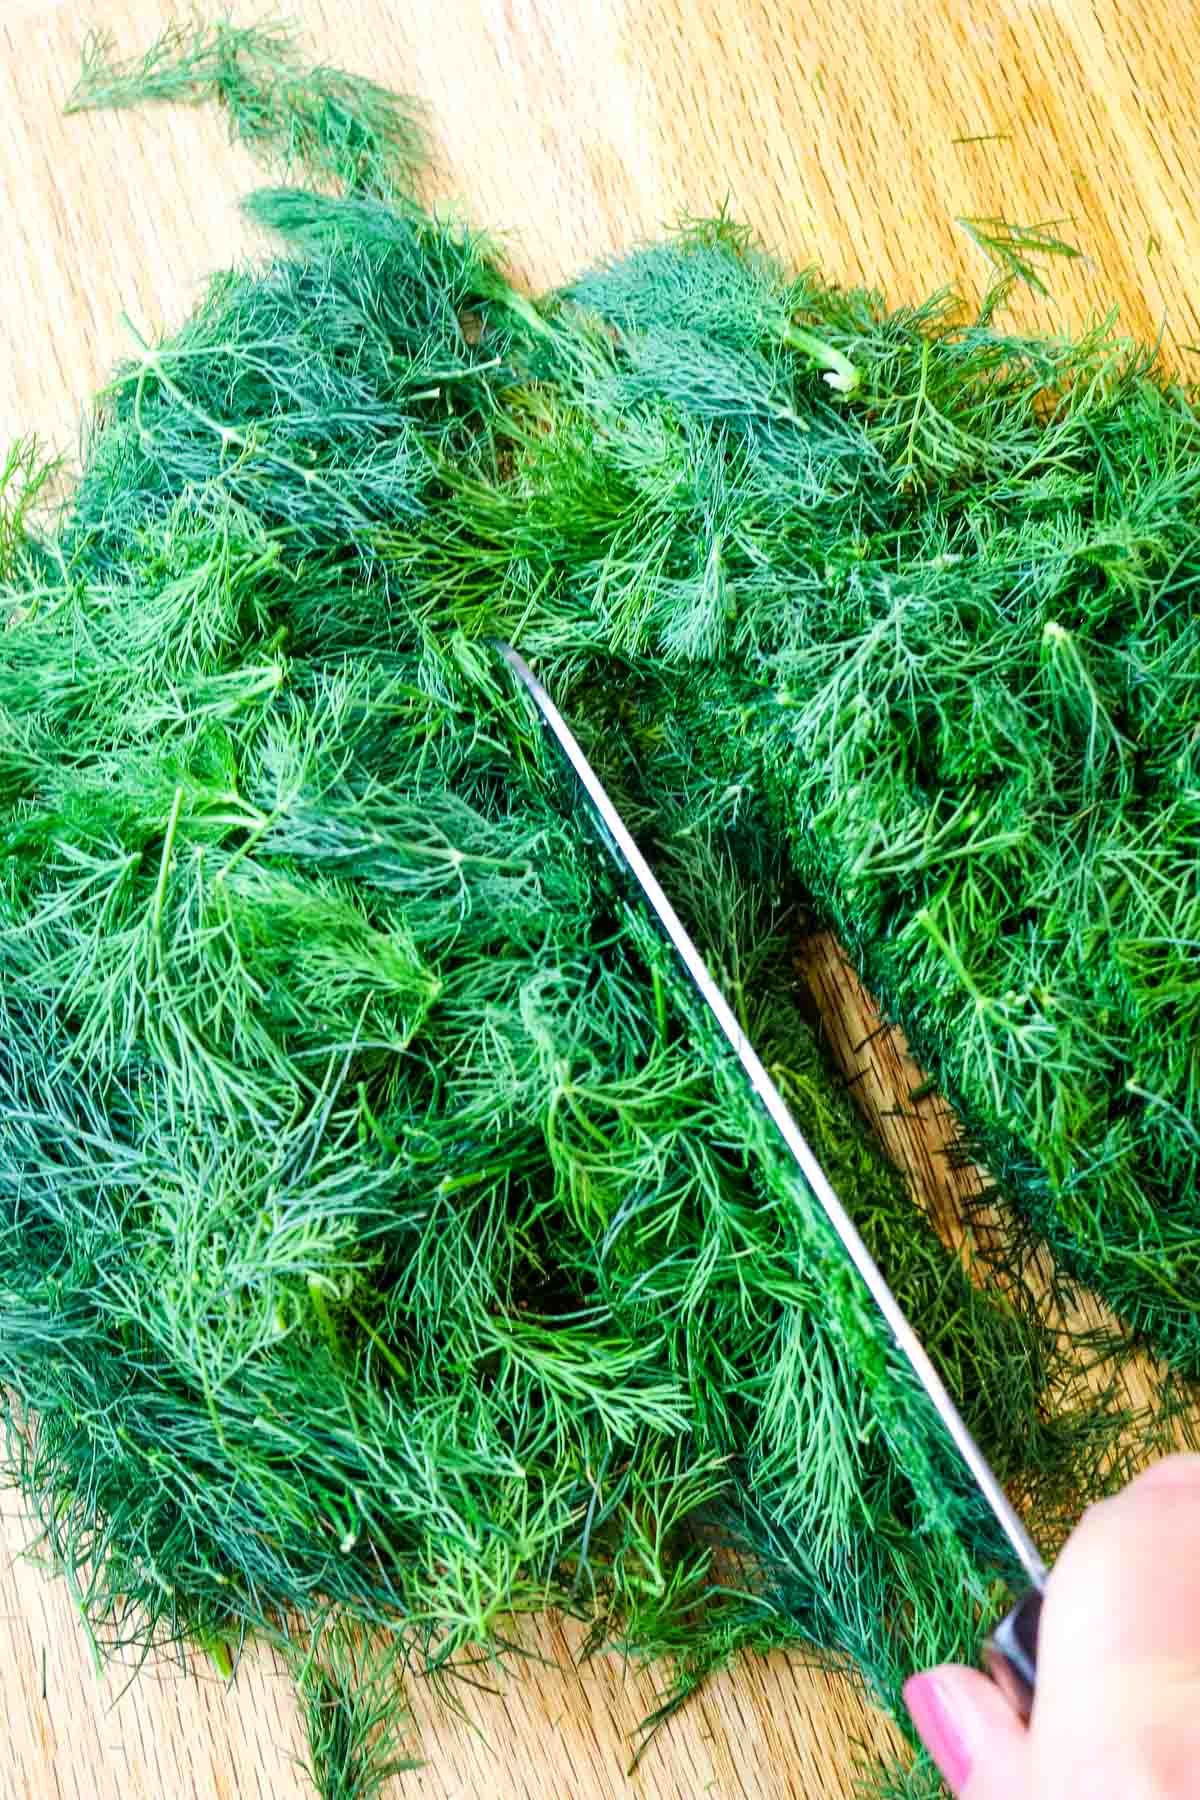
(1010,1653)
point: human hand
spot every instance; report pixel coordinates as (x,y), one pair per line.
(1117,1710)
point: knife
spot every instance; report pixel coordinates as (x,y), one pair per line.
(1010,1652)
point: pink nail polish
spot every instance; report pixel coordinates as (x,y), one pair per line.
(935,1724)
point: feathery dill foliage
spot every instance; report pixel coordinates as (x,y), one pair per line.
(944,627)
(1015,251)
(350,1691)
(380,1228)
(333,126)
(917,1780)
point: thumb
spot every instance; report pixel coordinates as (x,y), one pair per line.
(979,1745)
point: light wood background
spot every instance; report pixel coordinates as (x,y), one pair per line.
(576,128)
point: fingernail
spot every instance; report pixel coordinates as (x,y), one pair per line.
(930,1707)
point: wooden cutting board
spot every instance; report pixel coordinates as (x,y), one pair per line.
(851,133)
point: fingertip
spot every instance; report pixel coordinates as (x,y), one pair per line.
(929,1698)
(966,1725)
(1178,1475)
(1179,1471)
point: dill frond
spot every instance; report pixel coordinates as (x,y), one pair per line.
(323,123)
(1015,250)
(27,484)
(351,1693)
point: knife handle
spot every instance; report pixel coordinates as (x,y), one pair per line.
(1010,1653)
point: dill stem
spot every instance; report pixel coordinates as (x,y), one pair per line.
(909,459)
(842,374)
(660,1005)
(71,1578)
(388,1355)
(164,866)
(247,844)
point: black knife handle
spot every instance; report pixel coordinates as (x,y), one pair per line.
(1010,1653)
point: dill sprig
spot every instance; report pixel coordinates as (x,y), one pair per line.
(351,1691)
(331,126)
(1016,250)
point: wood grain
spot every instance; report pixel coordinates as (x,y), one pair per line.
(832,126)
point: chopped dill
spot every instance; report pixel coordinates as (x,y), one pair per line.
(383,1238)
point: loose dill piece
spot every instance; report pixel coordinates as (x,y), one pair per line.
(331,126)
(28,480)
(918,1780)
(1016,250)
(351,1693)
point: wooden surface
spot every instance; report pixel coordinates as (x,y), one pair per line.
(831,125)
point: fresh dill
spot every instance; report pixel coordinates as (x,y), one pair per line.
(328,125)
(1016,250)
(351,1693)
(946,632)
(382,1236)
(378,1223)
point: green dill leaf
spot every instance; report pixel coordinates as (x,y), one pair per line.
(351,1694)
(320,122)
(1016,249)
